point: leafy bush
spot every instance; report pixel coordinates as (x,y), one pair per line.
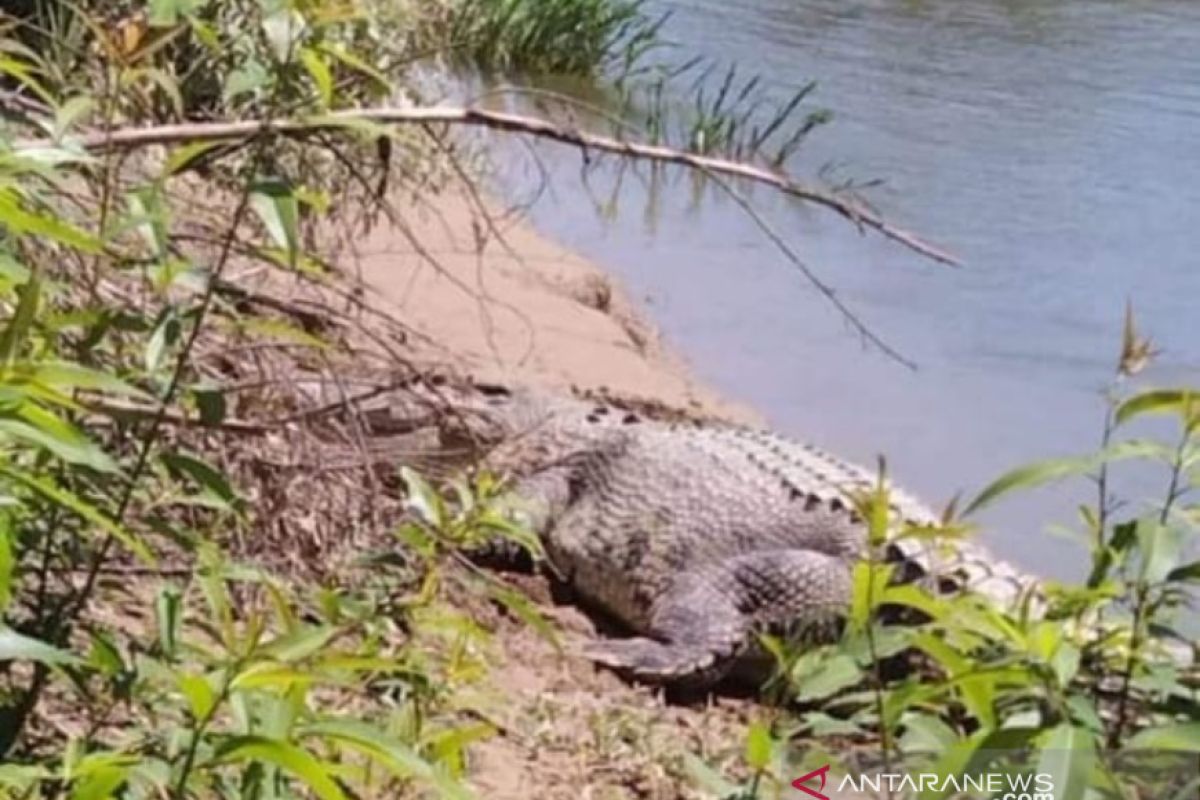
(1094,684)
(137,657)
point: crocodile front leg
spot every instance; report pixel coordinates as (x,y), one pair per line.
(700,626)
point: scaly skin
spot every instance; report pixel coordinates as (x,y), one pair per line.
(697,535)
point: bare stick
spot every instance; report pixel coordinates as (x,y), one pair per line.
(856,212)
(113,408)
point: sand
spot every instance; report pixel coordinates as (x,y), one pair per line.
(497,299)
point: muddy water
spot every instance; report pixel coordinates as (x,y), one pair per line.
(1054,146)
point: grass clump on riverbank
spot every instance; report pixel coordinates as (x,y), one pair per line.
(577,37)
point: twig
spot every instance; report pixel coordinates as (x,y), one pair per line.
(25,108)
(113,408)
(825,289)
(132,138)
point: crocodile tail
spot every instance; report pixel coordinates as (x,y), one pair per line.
(959,565)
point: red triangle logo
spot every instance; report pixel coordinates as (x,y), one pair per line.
(818,793)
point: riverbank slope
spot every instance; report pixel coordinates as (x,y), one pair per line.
(489,296)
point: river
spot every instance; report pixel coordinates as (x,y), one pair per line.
(1053,146)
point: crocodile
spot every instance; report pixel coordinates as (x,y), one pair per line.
(693,534)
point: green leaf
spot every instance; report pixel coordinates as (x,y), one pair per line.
(205,475)
(976,753)
(74,109)
(246,79)
(205,34)
(319,71)
(160,78)
(927,733)
(23,71)
(1043,472)
(520,607)
(1157,401)
(17,329)
(300,262)
(1084,712)
(74,503)
(387,751)
(275,204)
(948,657)
(272,675)
(423,499)
(1068,755)
(1188,573)
(20,221)
(1065,663)
(103,655)
(299,644)
(708,779)
(168,611)
(58,437)
(165,13)
(288,757)
(210,402)
(279,330)
(869,583)
(913,596)
(1030,476)
(13,271)
(758,746)
(66,377)
(823,675)
(200,694)
(348,58)
(183,156)
(150,219)
(18,647)
(22,778)
(1161,549)
(283,29)
(166,334)
(1184,737)
(100,783)
(8,563)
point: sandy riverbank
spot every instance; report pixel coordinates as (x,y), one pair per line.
(502,302)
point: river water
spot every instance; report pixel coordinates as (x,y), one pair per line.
(1053,146)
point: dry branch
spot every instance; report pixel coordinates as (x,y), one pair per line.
(856,212)
(121,410)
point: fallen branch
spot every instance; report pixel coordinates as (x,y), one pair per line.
(132,138)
